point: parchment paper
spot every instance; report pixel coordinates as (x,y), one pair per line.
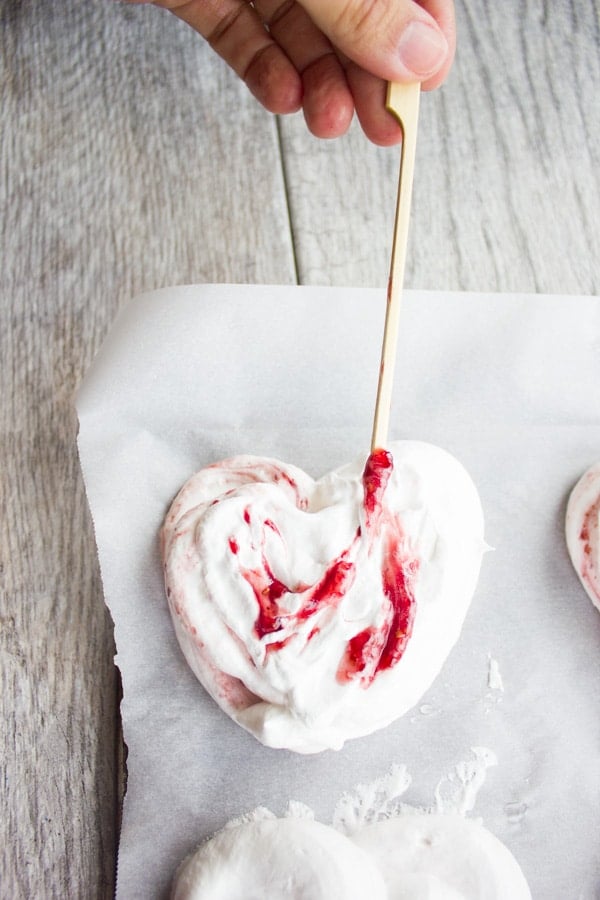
(511,386)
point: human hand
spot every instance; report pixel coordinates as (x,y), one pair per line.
(328,57)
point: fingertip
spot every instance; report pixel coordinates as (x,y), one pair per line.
(441,17)
(327,128)
(287,99)
(380,126)
(422,50)
(274,81)
(384,133)
(440,76)
(330,120)
(328,103)
(443,13)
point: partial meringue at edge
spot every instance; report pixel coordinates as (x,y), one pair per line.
(318,611)
(582,530)
(411,857)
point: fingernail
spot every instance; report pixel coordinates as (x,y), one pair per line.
(422,48)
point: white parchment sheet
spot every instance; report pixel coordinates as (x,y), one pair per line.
(511,386)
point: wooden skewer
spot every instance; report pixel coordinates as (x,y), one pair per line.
(403,102)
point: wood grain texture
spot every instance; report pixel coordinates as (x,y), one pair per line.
(507,184)
(128,160)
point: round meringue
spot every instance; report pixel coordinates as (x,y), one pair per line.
(582,531)
(279,859)
(318,611)
(442,857)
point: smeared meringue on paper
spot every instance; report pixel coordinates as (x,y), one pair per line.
(411,857)
(318,611)
(582,530)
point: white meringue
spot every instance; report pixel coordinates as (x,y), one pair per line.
(317,611)
(442,857)
(279,859)
(411,857)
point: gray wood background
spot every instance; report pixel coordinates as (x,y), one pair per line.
(131,158)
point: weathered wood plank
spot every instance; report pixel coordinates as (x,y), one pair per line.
(129,159)
(507,187)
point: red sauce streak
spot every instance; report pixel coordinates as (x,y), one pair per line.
(278,645)
(356,657)
(335,583)
(587,535)
(280,475)
(376,475)
(374,649)
(397,588)
(268,591)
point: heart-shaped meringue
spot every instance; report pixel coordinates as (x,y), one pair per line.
(316,611)
(582,530)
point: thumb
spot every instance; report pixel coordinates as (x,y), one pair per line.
(396,40)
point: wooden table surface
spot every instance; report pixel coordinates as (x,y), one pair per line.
(131,158)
